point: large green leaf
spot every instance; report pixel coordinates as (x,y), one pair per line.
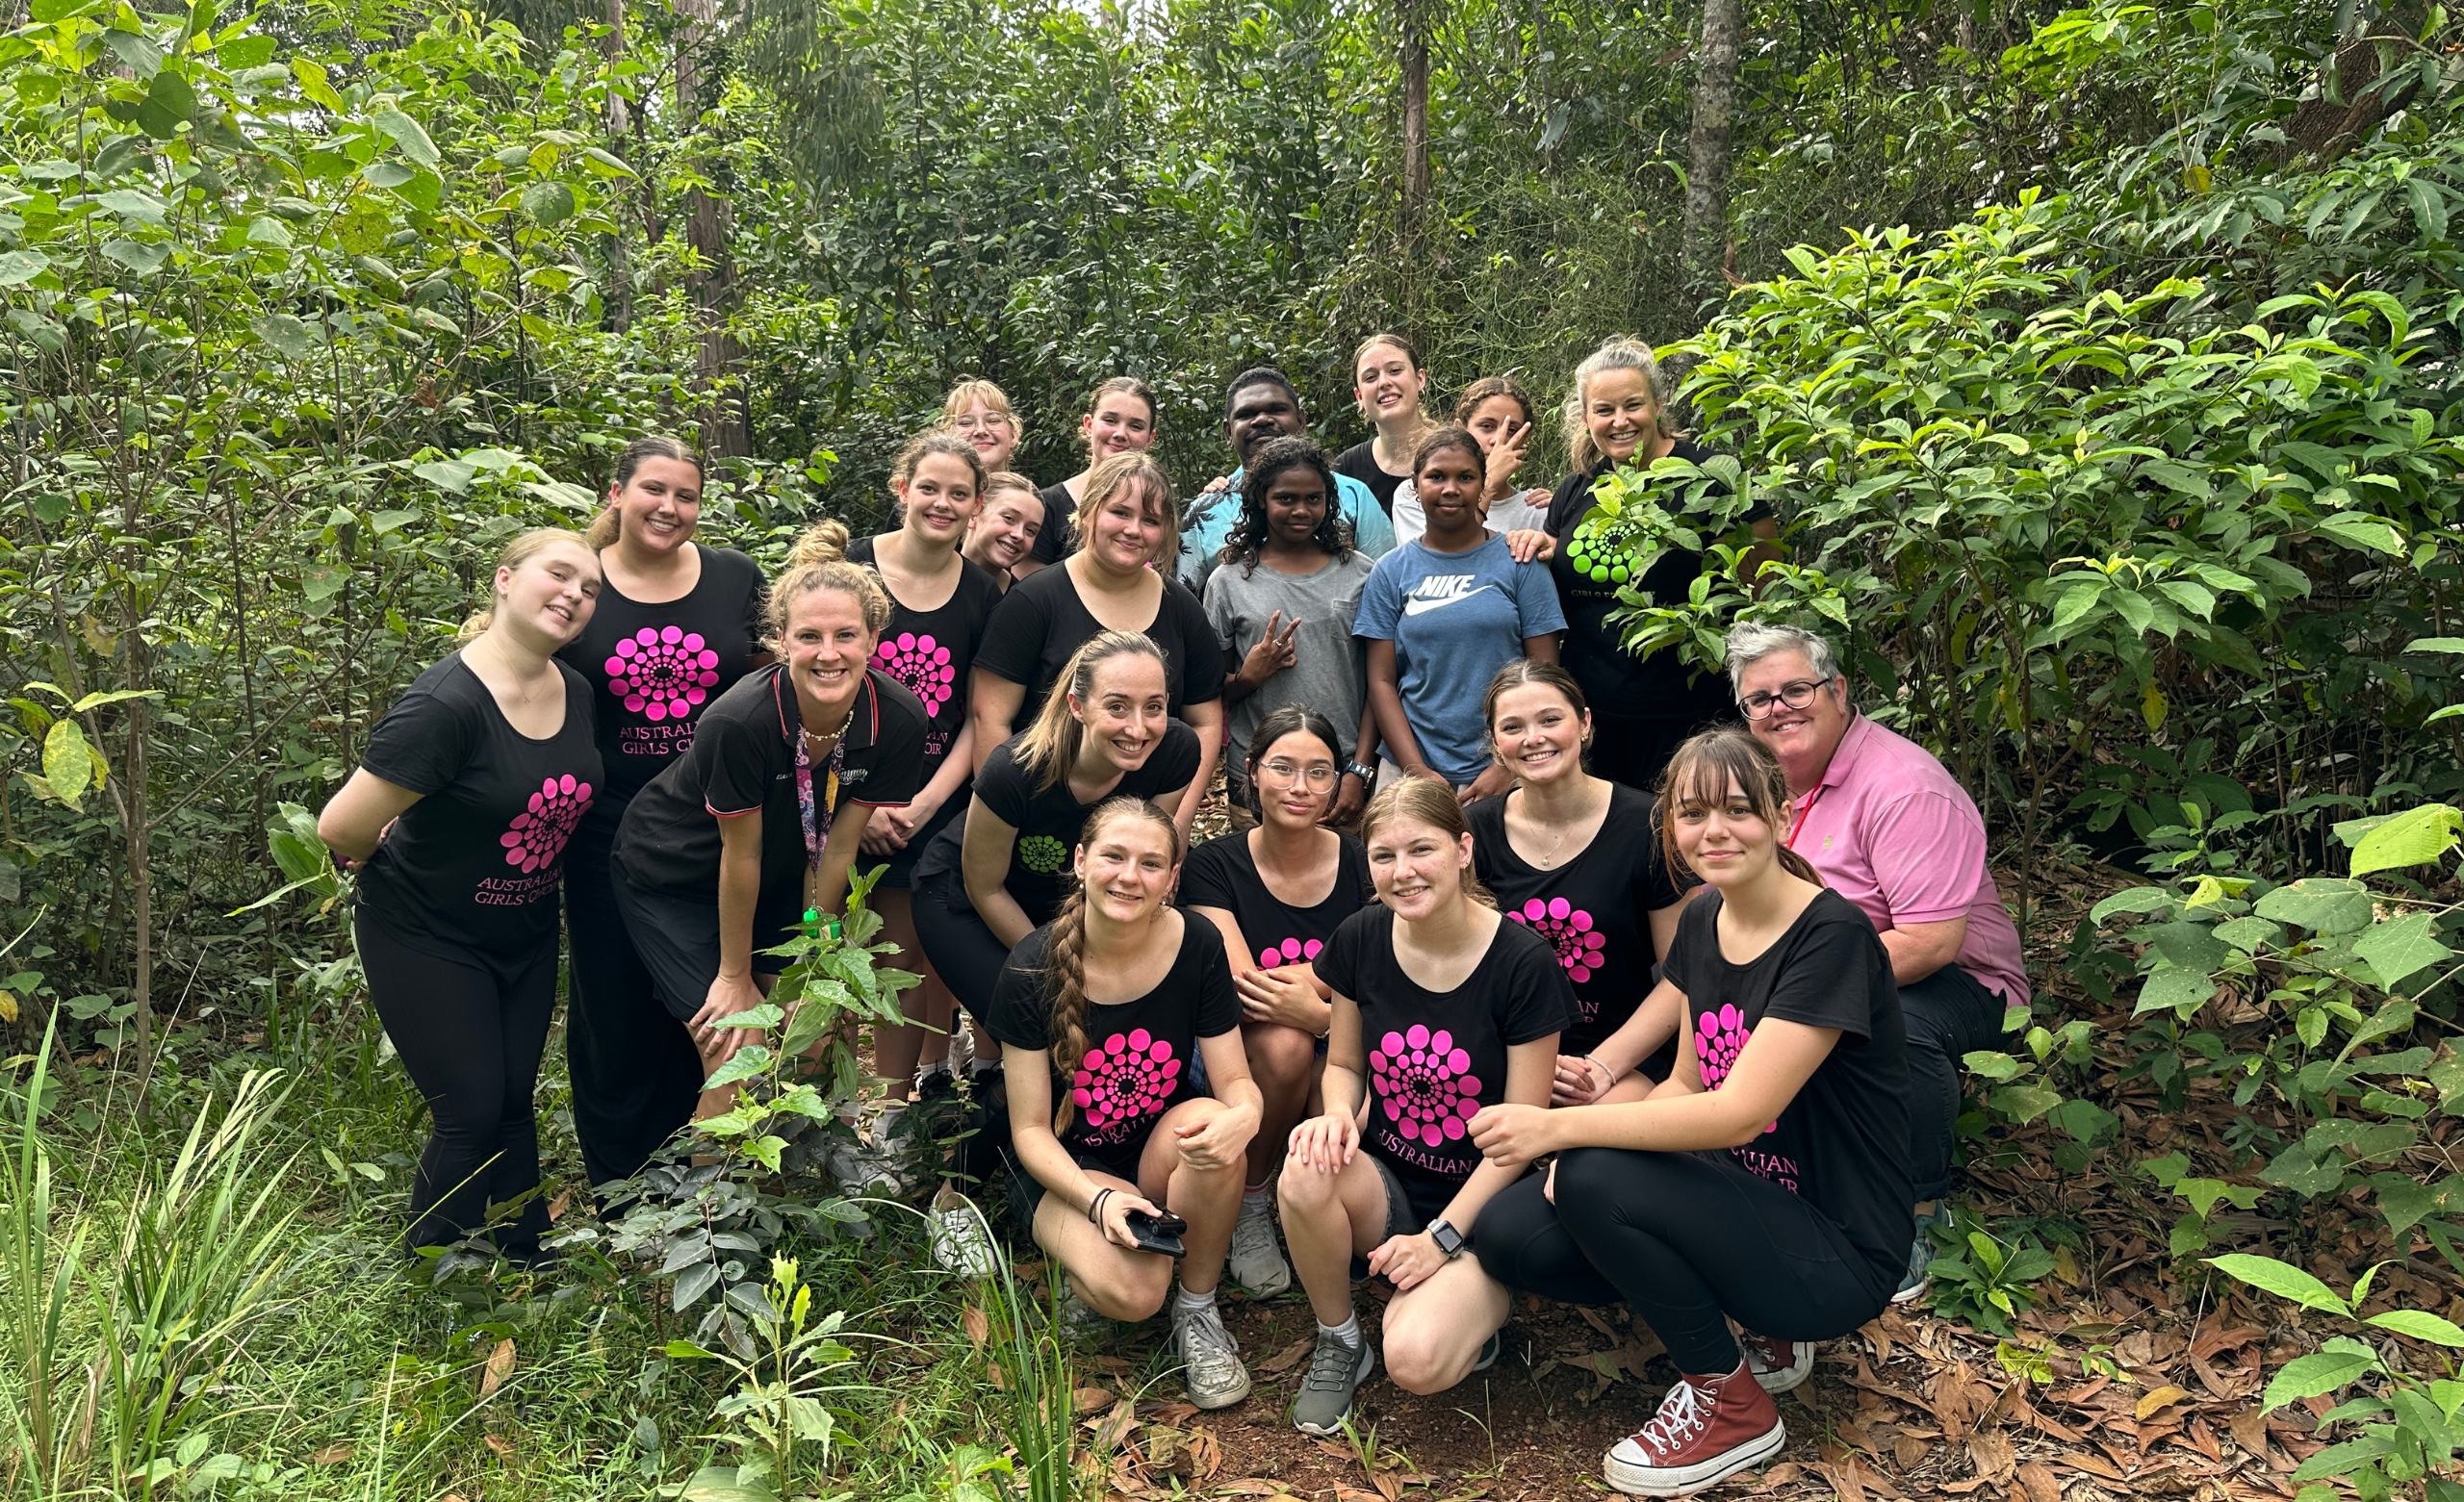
(2319,1372)
(18,267)
(2324,904)
(296,339)
(2401,947)
(548,203)
(407,134)
(67,763)
(2281,1279)
(2132,900)
(2411,838)
(2175,989)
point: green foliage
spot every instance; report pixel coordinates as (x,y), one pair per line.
(2409,1428)
(777,1404)
(1983,1278)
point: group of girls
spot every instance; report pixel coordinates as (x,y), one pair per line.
(1012,703)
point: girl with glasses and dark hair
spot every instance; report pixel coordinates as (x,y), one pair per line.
(1278,892)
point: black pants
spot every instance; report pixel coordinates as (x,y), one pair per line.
(1686,1240)
(635,1072)
(470,1031)
(1950,1014)
(964,951)
(1636,752)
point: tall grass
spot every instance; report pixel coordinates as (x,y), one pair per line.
(1039,1415)
(38,1281)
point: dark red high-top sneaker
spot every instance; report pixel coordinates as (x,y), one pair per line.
(1779,1366)
(1706,1429)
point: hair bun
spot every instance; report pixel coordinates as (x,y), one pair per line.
(823,542)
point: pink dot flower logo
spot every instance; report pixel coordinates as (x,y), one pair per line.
(1425,1084)
(1719,1037)
(537,835)
(922,664)
(663,673)
(1290,952)
(1127,1079)
(1568,927)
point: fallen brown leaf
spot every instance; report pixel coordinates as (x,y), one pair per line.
(556,1207)
(2038,1480)
(1907,1450)
(1250,1486)
(1847,1479)
(1089,1399)
(1206,1452)
(500,1366)
(1389,1485)
(977,1325)
(1991,1450)
(333,1454)
(2162,1398)
(1781,1475)
(2250,1431)
(1289,1357)
(500,1444)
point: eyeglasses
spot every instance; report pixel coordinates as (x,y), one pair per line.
(1796,696)
(1317,773)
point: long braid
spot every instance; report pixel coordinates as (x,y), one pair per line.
(1065,974)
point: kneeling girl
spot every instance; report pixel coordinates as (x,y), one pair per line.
(1113,1000)
(1767,1179)
(1441,1007)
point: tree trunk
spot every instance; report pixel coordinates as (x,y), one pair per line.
(1415,70)
(1706,184)
(712,284)
(620,289)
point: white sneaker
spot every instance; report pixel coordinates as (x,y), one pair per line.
(960,1243)
(1256,1263)
(1216,1379)
(1778,1365)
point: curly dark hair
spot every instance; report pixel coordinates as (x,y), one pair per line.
(1249,533)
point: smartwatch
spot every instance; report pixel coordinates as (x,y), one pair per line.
(1449,1240)
(1361,769)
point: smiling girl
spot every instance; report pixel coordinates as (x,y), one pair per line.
(1387,383)
(713,859)
(1005,527)
(677,624)
(1119,420)
(1765,1181)
(458,818)
(1101,1013)
(1441,1007)
(979,411)
(1121,580)
(939,606)
(1441,616)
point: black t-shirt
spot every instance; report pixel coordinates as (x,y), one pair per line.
(1139,1054)
(743,758)
(659,665)
(475,864)
(1842,1143)
(932,652)
(1058,538)
(1049,821)
(1595,910)
(1224,873)
(1435,1058)
(1042,622)
(1620,685)
(1360,462)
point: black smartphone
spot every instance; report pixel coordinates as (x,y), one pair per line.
(1158,1232)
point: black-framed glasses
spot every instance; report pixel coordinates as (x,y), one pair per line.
(1796,696)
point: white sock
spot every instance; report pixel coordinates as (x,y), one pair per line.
(1189,1303)
(1256,1196)
(1349,1332)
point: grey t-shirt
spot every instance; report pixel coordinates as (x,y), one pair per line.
(1331,674)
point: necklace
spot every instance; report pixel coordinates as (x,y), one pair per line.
(1548,859)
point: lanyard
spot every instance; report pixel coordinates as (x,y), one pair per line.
(1803,814)
(816,829)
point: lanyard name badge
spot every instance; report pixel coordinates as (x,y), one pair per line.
(817,827)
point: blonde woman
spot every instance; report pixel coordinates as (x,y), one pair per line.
(784,772)
(1121,580)
(979,411)
(1102,1014)
(1006,526)
(458,818)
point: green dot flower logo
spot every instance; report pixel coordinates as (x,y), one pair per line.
(1042,852)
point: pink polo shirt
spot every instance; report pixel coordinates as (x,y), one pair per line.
(1892,831)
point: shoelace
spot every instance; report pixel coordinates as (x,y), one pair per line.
(1682,1414)
(1252,1233)
(1205,1345)
(1331,1366)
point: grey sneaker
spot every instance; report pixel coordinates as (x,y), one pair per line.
(1490,1350)
(1336,1371)
(1216,1379)
(1778,1365)
(1256,1263)
(960,1243)
(1921,1254)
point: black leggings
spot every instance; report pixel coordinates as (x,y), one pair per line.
(1686,1239)
(470,1031)
(635,1072)
(1950,1014)
(964,951)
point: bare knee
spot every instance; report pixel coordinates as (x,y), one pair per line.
(1418,1360)
(1303,1189)
(1280,1059)
(1128,1292)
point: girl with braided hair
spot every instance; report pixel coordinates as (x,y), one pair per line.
(1101,1012)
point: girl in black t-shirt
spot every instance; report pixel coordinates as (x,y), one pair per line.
(1121,580)
(939,604)
(1646,704)
(1575,859)
(720,856)
(1440,1007)
(1106,1006)
(677,624)
(988,880)
(1767,1179)
(458,818)
(1005,527)
(1278,892)
(1388,385)
(1120,419)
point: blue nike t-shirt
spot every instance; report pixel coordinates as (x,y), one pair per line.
(1455,620)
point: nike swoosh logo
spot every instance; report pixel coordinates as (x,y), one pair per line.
(1417,607)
